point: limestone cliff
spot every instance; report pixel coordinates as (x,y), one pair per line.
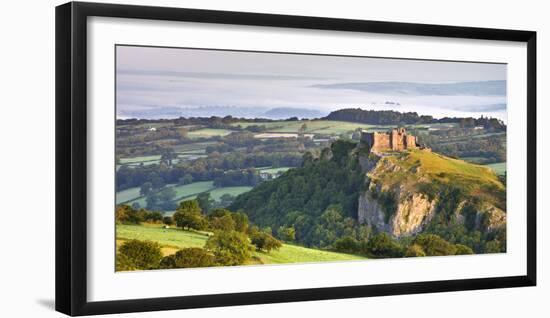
(406,190)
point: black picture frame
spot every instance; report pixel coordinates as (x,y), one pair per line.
(71,157)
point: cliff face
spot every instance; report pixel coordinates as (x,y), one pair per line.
(406,190)
(408,217)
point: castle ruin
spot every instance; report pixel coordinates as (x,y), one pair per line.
(395,140)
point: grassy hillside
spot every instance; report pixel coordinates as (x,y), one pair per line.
(174,239)
(419,168)
(443,168)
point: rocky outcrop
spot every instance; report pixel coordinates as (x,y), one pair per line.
(490,218)
(412,214)
(370,212)
(394,203)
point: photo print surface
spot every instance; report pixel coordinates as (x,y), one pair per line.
(227,158)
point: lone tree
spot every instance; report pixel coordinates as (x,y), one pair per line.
(264,241)
(189,215)
(383,245)
(167,155)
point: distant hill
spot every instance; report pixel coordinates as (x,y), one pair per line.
(288,112)
(159,112)
(483,88)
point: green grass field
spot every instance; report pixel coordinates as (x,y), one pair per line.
(137,160)
(184,191)
(328,127)
(208,132)
(197,147)
(274,170)
(173,239)
(499,167)
(127,195)
(234,191)
(478,160)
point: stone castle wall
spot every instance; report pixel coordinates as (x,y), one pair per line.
(395,140)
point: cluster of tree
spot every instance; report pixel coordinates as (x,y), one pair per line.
(488,123)
(246,177)
(390,117)
(463,142)
(230,244)
(383,245)
(318,200)
(379,117)
(191,121)
(125,214)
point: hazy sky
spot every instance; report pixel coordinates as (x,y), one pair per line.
(152,80)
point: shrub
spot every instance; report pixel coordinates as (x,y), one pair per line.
(434,245)
(415,250)
(463,250)
(383,245)
(123,263)
(189,257)
(167,220)
(346,244)
(154,216)
(125,214)
(265,241)
(140,254)
(493,246)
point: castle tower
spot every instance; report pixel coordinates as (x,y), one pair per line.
(395,140)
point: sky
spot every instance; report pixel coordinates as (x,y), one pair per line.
(171,82)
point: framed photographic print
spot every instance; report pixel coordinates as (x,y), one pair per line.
(211,158)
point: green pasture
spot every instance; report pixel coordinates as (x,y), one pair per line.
(207,133)
(274,171)
(127,195)
(184,191)
(499,167)
(173,239)
(234,191)
(137,160)
(330,127)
